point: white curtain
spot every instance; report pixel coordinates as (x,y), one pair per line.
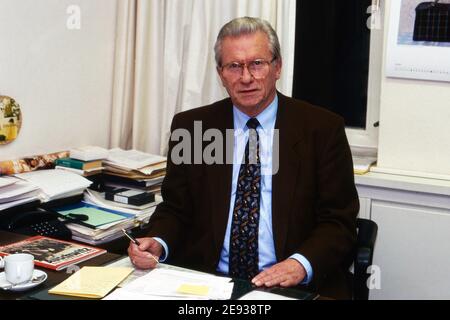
(174,62)
(124,75)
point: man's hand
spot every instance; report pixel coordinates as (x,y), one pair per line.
(288,273)
(141,256)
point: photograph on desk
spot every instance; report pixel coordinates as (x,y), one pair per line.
(52,253)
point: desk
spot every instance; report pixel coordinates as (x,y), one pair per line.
(241,287)
(54,277)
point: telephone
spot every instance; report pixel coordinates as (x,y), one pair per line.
(39,222)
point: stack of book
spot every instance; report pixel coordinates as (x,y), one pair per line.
(134,170)
(83,168)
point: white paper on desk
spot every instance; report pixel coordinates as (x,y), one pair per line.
(56,183)
(124,294)
(166,283)
(137,273)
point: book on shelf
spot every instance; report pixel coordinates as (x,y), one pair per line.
(52,253)
(78,164)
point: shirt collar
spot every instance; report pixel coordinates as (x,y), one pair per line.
(266,118)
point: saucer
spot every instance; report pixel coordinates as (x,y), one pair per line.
(23,286)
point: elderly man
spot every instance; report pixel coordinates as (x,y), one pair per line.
(283,213)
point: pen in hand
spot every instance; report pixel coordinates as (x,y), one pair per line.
(136,242)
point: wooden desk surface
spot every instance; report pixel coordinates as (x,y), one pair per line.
(54,277)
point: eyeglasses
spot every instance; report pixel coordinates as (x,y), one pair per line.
(258,68)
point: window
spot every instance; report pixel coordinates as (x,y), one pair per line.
(338,63)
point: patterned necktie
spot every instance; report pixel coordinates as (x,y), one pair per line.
(243,260)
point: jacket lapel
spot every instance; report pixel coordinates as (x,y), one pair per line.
(285,180)
(219,177)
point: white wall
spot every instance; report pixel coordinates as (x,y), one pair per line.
(61,78)
(414,124)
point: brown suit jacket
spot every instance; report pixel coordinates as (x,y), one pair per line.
(314,199)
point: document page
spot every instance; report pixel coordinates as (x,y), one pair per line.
(174,284)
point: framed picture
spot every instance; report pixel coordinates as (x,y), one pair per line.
(10,120)
(419,40)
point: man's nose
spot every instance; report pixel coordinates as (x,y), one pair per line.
(246,75)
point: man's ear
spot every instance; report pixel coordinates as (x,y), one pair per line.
(278,67)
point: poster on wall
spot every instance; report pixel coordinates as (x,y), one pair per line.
(419,40)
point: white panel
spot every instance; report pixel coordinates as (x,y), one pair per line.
(62,78)
(412,250)
(414,118)
(364,208)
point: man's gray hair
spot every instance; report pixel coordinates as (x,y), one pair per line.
(244,26)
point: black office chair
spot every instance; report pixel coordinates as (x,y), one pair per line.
(367,233)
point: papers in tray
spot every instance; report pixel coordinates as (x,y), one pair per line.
(56,184)
(13,189)
(14,192)
(7,205)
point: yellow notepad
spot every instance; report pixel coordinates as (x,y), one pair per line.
(92,282)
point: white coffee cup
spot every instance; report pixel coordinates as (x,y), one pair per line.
(19,267)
